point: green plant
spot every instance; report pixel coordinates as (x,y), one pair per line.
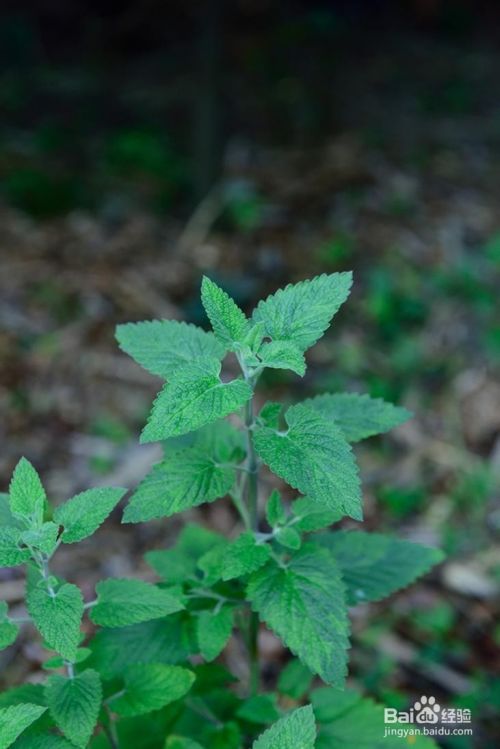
(147,677)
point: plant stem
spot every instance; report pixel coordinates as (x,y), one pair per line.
(110,730)
(252,478)
(43,563)
(252,487)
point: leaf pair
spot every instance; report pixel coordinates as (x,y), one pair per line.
(187,477)
(293,318)
(74,703)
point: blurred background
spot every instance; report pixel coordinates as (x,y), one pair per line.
(143,144)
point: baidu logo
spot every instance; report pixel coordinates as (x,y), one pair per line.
(426,710)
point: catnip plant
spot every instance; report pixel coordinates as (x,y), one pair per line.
(143,670)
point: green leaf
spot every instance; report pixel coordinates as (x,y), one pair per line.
(304,604)
(179,563)
(43,538)
(74,704)
(32,693)
(57,662)
(349,721)
(226,737)
(275,511)
(8,630)
(220,439)
(228,321)
(38,740)
(15,719)
(150,687)
(193,400)
(374,565)
(156,641)
(212,564)
(282,355)
(180,742)
(243,556)
(126,601)
(27,495)
(163,346)
(260,709)
(313,457)
(302,312)
(34,739)
(57,617)
(10,552)
(295,679)
(213,630)
(183,480)
(310,516)
(358,416)
(288,537)
(83,514)
(297,730)
(270,414)
(7,519)
(253,338)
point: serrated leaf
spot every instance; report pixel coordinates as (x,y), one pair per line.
(374,565)
(282,355)
(157,641)
(358,416)
(350,721)
(179,563)
(81,515)
(74,704)
(223,441)
(163,346)
(297,730)
(275,511)
(11,554)
(38,740)
(304,604)
(57,617)
(32,693)
(220,439)
(8,630)
(311,516)
(213,630)
(243,556)
(313,457)
(43,538)
(228,321)
(302,312)
(150,687)
(15,719)
(185,479)
(26,493)
(126,601)
(193,400)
